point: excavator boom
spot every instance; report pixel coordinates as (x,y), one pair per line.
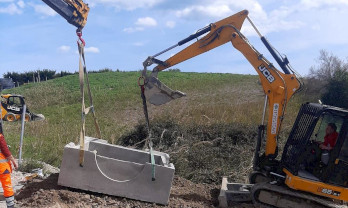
(74,11)
(278,86)
(210,41)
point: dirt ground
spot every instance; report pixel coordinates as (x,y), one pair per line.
(46,193)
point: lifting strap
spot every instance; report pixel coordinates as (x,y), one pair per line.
(141,83)
(82,74)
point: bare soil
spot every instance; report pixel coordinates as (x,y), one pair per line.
(46,193)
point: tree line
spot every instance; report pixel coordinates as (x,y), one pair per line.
(328,80)
(42,75)
(35,76)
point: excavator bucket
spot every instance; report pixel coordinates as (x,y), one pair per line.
(37,117)
(158,93)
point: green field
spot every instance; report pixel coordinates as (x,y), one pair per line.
(208,133)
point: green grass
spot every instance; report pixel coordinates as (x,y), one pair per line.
(214,103)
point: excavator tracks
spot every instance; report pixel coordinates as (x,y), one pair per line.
(269,195)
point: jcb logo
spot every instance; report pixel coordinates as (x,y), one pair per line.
(14,108)
(266,73)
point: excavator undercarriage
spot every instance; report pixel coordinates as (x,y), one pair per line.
(273,195)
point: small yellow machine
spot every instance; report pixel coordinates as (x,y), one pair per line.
(12,108)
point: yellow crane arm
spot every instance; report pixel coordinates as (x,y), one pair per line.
(74,11)
(278,86)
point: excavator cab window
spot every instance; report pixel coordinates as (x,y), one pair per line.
(320,128)
(316,163)
(344,151)
(338,173)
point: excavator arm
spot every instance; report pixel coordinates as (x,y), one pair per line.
(278,86)
(74,11)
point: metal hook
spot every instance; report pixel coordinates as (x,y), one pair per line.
(79,34)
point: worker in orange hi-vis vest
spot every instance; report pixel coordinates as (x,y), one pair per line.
(6,159)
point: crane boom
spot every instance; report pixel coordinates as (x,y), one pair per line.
(74,11)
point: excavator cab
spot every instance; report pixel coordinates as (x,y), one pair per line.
(324,120)
(307,166)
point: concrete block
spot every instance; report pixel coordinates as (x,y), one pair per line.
(231,193)
(116,170)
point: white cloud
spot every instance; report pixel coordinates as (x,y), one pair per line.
(316,27)
(11,9)
(209,10)
(21,4)
(92,50)
(310,4)
(219,9)
(146,22)
(170,24)
(270,21)
(133,29)
(64,48)
(142,23)
(43,9)
(138,44)
(125,4)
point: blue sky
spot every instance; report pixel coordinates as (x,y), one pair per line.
(120,34)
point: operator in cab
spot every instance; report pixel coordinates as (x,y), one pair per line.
(330,137)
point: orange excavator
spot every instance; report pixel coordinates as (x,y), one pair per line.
(306,175)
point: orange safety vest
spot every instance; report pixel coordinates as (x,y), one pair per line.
(4,165)
(5,178)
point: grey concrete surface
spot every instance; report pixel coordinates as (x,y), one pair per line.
(117,170)
(230,193)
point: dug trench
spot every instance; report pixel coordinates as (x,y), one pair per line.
(201,154)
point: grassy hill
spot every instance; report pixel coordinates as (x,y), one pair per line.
(208,133)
